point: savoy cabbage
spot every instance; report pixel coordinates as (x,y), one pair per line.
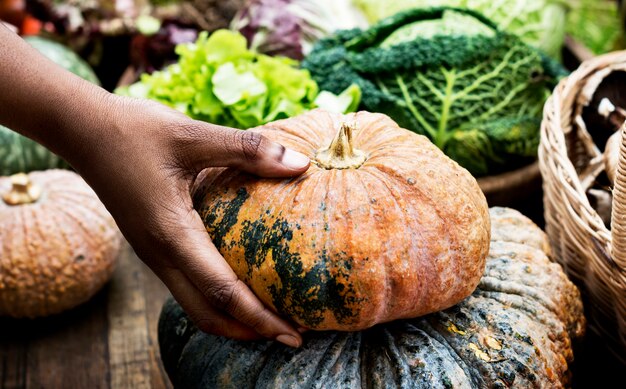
(477,95)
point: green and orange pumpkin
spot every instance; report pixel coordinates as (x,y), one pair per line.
(382,226)
(516,330)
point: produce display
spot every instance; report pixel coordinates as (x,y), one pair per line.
(219,80)
(312,248)
(515,331)
(414,114)
(58,244)
(476,92)
(21,154)
(540,23)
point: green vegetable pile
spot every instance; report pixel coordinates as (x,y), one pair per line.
(217,79)
(540,23)
(449,74)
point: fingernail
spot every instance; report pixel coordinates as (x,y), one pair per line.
(302,330)
(289,340)
(294,160)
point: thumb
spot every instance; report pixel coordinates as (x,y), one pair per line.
(205,145)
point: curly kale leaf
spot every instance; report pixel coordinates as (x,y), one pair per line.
(444,85)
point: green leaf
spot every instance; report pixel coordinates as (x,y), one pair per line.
(224,46)
(540,23)
(281,74)
(283,108)
(206,103)
(231,87)
(452,23)
(595,23)
(137,90)
(347,101)
(250,113)
(472,150)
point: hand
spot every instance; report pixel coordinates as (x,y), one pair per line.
(141,159)
(142,167)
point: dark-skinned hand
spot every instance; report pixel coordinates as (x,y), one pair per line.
(141,158)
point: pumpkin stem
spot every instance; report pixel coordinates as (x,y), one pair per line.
(23,191)
(341,154)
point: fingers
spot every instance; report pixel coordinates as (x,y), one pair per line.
(202,145)
(206,317)
(172,238)
(216,282)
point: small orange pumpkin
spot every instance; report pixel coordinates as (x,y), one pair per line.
(382,226)
(58,244)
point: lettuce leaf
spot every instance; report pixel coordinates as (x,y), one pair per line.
(219,80)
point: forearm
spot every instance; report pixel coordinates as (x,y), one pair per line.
(141,159)
(45,102)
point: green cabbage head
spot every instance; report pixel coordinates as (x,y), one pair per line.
(540,23)
(450,74)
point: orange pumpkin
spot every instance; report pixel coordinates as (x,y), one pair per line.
(58,244)
(382,226)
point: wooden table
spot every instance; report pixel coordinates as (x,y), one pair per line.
(111,342)
(108,342)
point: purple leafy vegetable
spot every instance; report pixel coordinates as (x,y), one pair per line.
(291,27)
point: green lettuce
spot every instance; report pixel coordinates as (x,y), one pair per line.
(219,80)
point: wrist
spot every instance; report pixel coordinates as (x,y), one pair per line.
(47,103)
(84,119)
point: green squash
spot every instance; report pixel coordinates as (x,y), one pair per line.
(64,57)
(515,330)
(21,154)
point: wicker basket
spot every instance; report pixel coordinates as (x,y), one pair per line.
(593,255)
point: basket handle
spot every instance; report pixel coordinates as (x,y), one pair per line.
(618,212)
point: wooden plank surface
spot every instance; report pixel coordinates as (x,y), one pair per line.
(128,330)
(111,342)
(108,342)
